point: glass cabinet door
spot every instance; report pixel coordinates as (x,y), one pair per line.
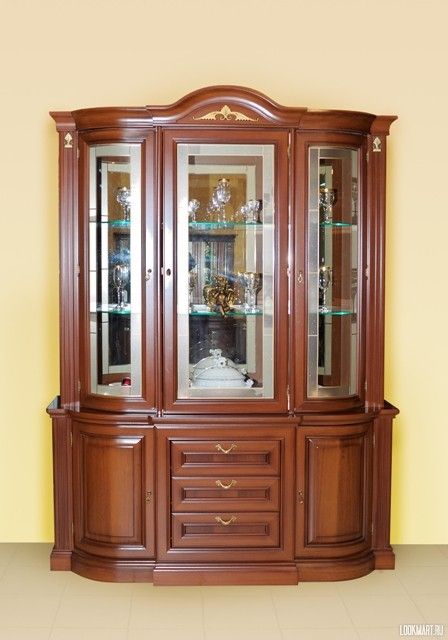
(225,270)
(115,269)
(333,256)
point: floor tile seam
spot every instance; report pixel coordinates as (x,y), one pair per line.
(62,595)
(340,596)
(201,592)
(426,593)
(131,599)
(271,595)
(420,610)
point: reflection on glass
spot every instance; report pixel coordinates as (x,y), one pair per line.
(333,272)
(114,265)
(225,267)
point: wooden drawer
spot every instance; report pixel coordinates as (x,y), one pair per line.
(219,457)
(225,494)
(218,530)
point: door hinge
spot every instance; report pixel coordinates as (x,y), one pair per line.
(78,270)
(77,153)
(373,440)
(148,496)
(367,156)
(79,386)
(71,439)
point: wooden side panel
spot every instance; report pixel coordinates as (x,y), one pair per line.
(113,491)
(335,492)
(62,490)
(384,556)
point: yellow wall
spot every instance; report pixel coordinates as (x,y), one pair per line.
(382,56)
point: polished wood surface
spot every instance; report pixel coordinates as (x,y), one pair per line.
(182,491)
(334,490)
(113,490)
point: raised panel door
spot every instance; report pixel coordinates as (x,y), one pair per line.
(113,471)
(334,490)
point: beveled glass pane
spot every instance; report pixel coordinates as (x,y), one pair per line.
(225,267)
(333,207)
(115,269)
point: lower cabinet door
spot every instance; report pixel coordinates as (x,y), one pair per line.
(334,489)
(113,490)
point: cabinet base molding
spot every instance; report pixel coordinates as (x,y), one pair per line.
(229,574)
(384,558)
(335,569)
(60,560)
(170,574)
(112,570)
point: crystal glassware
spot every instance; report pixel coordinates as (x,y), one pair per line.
(327,199)
(192,280)
(251,211)
(120,277)
(193,208)
(124,200)
(252,284)
(324,282)
(221,196)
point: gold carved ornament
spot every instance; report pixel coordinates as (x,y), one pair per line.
(220,296)
(226,114)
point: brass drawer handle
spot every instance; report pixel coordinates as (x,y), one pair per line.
(221,485)
(221,448)
(226,523)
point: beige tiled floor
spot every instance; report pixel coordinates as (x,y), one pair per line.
(36,604)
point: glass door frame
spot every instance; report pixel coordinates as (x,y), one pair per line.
(279,402)
(303,143)
(147,401)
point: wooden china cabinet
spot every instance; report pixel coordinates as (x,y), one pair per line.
(221,416)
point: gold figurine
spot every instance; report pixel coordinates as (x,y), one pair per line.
(220,295)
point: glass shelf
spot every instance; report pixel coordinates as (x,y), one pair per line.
(332,223)
(335,312)
(112,309)
(235,312)
(224,225)
(120,224)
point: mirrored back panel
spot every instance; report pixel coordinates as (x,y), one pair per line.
(333,257)
(115,270)
(225,270)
